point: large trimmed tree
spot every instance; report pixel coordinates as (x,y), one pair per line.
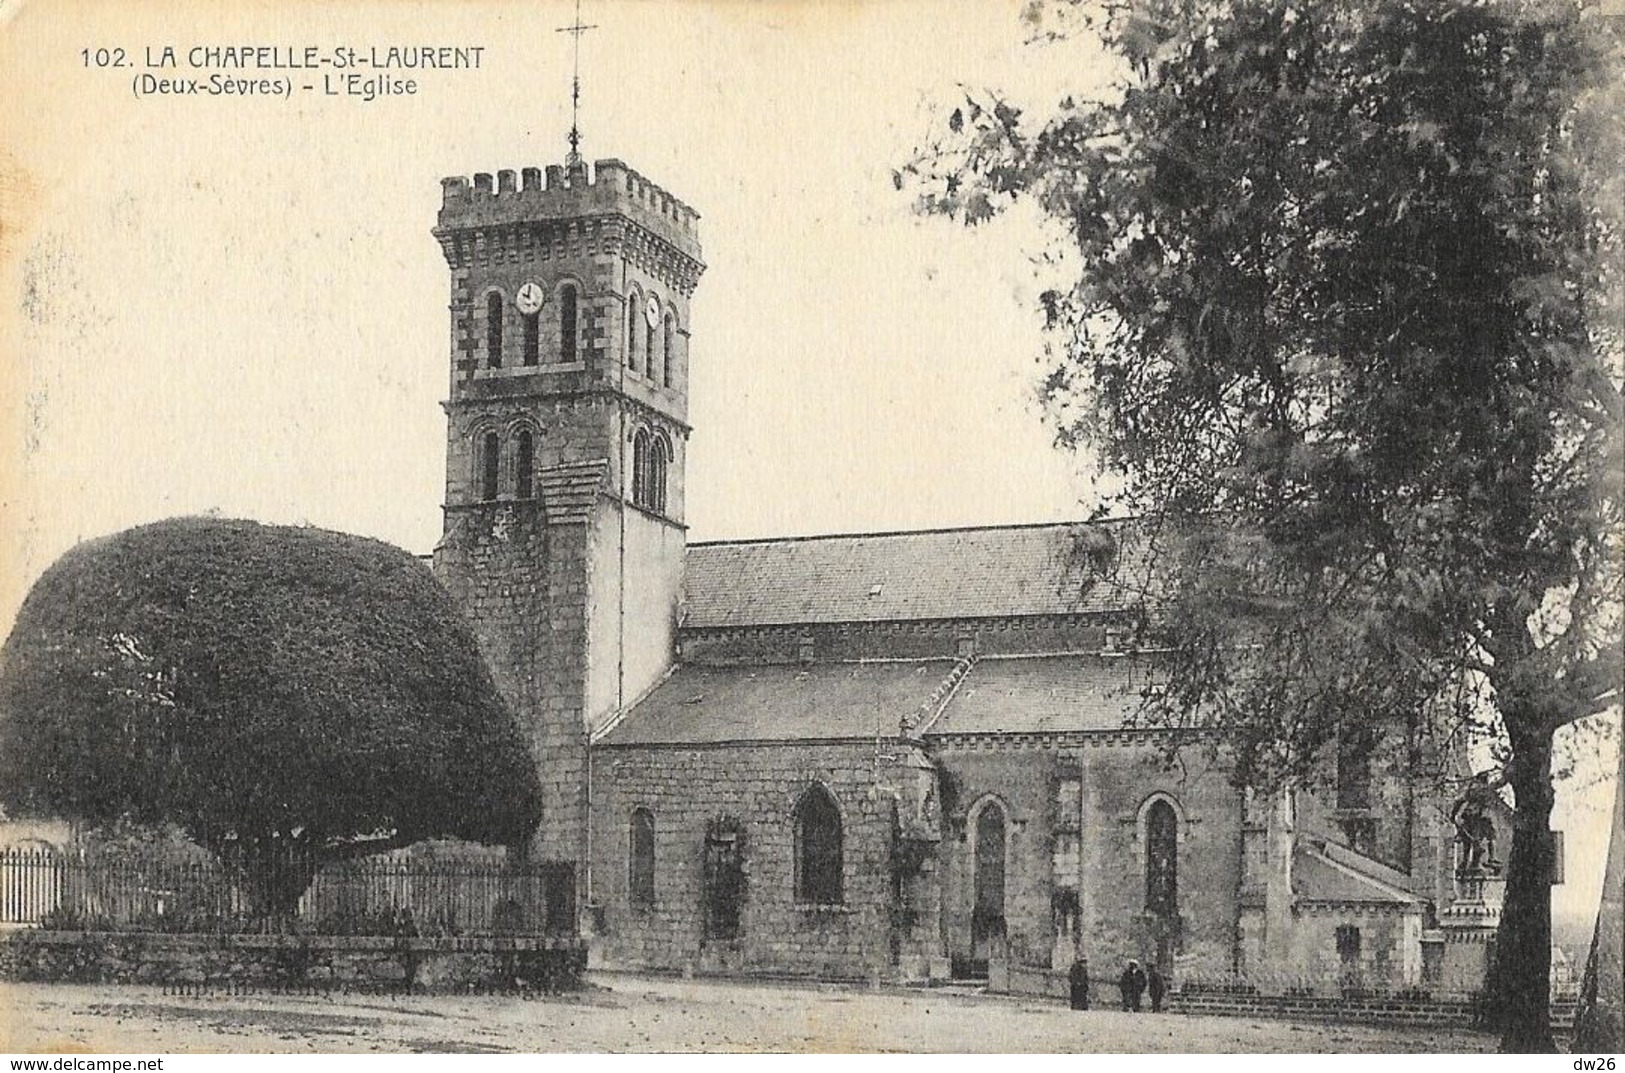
(1349,287)
(286,696)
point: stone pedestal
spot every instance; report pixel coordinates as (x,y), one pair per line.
(1468,925)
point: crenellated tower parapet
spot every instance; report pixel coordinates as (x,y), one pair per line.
(532,198)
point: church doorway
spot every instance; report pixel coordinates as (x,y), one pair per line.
(987,930)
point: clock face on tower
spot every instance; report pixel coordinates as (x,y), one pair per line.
(651,311)
(530,298)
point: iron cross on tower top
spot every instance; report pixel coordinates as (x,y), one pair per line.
(575,30)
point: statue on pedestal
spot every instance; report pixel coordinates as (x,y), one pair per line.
(1475,831)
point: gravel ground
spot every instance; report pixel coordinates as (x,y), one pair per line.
(640,1014)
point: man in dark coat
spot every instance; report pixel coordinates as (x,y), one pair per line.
(1078,983)
(1158,988)
(1132,983)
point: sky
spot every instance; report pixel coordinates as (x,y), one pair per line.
(236,305)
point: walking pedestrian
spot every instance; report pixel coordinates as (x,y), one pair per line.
(1132,983)
(1078,983)
(1158,987)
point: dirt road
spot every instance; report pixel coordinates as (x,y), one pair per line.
(638,1014)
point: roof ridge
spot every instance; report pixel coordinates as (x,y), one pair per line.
(1005,527)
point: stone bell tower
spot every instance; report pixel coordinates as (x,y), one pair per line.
(566,434)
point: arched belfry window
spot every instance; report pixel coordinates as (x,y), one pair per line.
(524,480)
(633,336)
(493,330)
(490,461)
(532,342)
(659,462)
(666,349)
(567,323)
(1162,859)
(818,848)
(652,349)
(641,858)
(641,444)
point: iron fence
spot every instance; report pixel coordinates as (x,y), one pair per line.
(82,889)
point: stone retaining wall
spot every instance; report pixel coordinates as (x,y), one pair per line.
(1373,1010)
(297,962)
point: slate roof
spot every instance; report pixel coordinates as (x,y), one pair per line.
(1327,872)
(570,489)
(703,703)
(876,577)
(1038,694)
(780,702)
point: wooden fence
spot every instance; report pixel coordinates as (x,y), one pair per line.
(78,889)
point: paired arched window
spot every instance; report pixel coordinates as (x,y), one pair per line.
(493,330)
(524,478)
(651,460)
(1162,859)
(652,349)
(567,322)
(640,878)
(666,349)
(818,848)
(490,464)
(633,336)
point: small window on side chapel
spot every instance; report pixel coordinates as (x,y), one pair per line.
(641,859)
(567,323)
(1348,944)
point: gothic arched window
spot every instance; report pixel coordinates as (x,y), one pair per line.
(666,349)
(493,330)
(1162,859)
(640,875)
(490,459)
(524,481)
(987,909)
(818,848)
(567,323)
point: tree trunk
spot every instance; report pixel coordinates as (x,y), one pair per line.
(272,878)
(1520,985)
(1599,1025)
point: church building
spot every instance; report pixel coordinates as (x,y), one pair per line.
(899,756)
